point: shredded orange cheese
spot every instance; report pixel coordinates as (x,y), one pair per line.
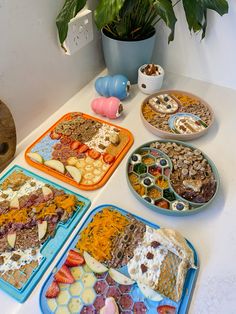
(66,201)
(97,237)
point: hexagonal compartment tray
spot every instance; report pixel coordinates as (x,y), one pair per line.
(172,177)
(50,248)
(87,293)
(176,115)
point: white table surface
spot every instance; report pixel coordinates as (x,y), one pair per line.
(212,232)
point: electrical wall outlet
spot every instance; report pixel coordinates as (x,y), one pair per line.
(80,32)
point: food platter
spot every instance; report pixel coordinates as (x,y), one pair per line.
(176,115)
(79,284)
(80,150)
(36,218)
(172,177)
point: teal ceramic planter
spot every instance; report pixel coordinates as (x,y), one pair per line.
(125,57)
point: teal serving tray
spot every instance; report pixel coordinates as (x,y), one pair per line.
(138,303)
(157,154)
(51,247)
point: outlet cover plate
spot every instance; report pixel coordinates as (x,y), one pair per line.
(80,32)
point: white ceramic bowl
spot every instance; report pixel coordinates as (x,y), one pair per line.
(149,84)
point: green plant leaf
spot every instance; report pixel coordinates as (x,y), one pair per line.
(69,10)
(220,6)
(196,12)
(166,12)
(107,11)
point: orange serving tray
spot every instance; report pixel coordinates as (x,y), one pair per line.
(44,146)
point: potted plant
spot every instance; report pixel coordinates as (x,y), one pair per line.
(128,27)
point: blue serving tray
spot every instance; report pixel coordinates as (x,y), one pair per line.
(181,306)
(51,247)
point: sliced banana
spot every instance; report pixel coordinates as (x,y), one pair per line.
(72,161)
(88,168)
(97,172)
(98,163)
(80,163)
(88,176)
(89,160)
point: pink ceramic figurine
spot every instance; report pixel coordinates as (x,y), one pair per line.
(109,107)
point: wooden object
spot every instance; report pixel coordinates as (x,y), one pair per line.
(7,136)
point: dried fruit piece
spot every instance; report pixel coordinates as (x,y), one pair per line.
(155,244)
(144,268)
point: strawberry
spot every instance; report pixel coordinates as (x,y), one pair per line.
(94,154)
(64,275)
(75,145)
(74,259)
(108,158)
(54,135)
(53,290)
(166,309)
(83,148)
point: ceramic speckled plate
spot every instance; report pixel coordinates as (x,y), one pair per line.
(176,115)
(81,150)
(172,177)
(73,298)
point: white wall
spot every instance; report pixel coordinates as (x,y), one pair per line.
(36,77)
(212,59)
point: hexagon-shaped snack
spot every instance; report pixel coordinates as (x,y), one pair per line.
(88,295)
(148,160)
(88,280)
(101,287)
(76,288)
(75,305)
(63,297)
(126,302)
(77,272)
(140,168)
(154,192)
(155,170)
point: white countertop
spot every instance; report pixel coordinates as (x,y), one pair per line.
(212,232)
